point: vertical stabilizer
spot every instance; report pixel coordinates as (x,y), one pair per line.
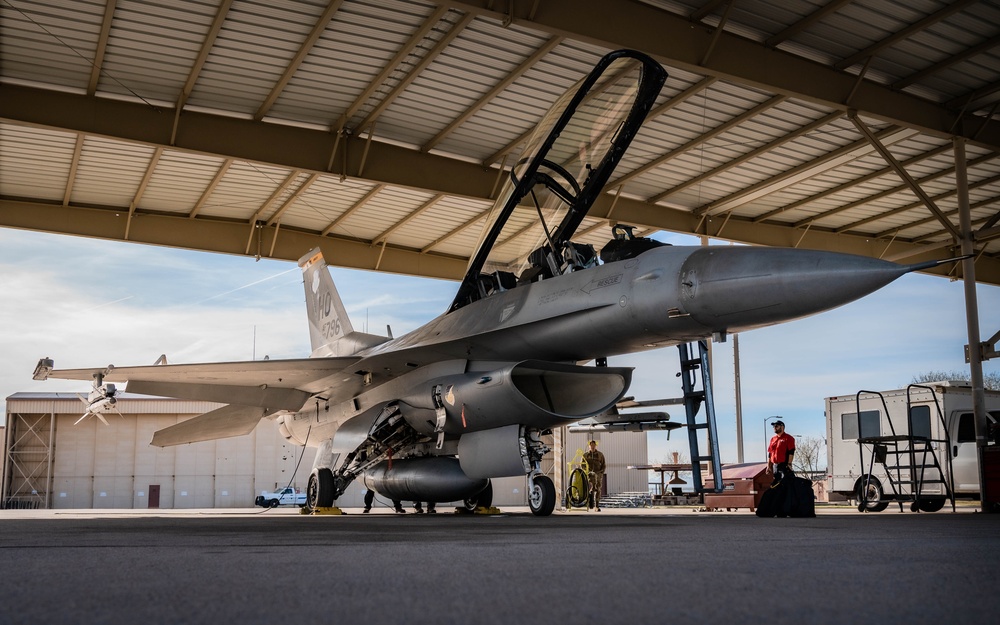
(330,330)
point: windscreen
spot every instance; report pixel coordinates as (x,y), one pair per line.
(561,170)
(580,146)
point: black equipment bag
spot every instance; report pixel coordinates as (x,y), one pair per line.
(789,497)
(800,501)
(772,502)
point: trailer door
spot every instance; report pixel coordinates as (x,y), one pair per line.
(965,457)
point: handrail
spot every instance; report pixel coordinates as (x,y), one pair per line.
(947,435)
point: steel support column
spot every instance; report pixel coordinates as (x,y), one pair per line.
(975,355)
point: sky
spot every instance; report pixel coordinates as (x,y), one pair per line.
(87,302)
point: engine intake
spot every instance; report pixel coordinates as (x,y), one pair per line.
(534,393)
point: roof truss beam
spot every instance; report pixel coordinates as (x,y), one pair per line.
(700,139)
(391,66)
(494,92)
(74,165)
(800,172)
(309,150)
(228,237)
(414,73)
(954,59)
(890,41)
(300,56)
(894,190)
(384,236)
(830,7)
(839,188)
(102,46)
(918,204)
(216,179)
(199,63)
(353,209)
(901,171)
(673,40)
(926,220)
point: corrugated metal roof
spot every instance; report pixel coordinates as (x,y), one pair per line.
(735,152)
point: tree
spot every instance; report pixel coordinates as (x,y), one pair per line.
(810,455)
(991,381)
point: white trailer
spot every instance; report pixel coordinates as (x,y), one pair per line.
(878,446)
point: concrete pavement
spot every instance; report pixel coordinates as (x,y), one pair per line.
(619,566)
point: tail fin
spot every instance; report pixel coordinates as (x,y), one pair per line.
(330,330)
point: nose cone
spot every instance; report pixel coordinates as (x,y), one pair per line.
(738,288)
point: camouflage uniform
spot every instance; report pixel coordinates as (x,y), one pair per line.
(596,466)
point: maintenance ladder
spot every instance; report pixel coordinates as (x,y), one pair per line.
(913,453)
(693,400)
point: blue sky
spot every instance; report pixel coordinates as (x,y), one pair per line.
(86,302)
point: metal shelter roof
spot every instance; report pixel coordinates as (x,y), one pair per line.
(377,129)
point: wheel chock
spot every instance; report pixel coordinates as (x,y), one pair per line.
(490,510)
(479,510)
(318,511)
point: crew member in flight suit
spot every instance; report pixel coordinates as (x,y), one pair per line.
(595,467)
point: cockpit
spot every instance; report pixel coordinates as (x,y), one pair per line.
(563,168)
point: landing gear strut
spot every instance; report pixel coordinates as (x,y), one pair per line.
(389,432)
(541,490)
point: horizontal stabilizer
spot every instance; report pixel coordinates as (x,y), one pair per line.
(234,420)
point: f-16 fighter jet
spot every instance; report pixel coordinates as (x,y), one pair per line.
(433,415)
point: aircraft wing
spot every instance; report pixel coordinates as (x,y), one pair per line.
(220,423)
(275,384)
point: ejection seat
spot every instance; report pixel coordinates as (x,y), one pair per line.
(626,244)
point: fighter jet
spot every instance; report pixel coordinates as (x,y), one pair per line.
(436,414)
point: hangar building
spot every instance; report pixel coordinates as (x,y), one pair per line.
(52,463)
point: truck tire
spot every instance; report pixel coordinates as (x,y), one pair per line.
(871,500)
(273,503)
(930,504)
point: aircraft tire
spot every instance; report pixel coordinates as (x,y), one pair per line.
(319,492)
(484,499)
(542,496)
(870,501)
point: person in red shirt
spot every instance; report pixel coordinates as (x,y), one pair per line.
(779,452)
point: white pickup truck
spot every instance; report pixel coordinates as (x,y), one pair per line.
(281,497)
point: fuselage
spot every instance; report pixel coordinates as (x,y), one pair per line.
(664,296)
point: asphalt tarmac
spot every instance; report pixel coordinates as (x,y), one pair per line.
(679,566)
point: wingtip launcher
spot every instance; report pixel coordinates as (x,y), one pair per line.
(43,369)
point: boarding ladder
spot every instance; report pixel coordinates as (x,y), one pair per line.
(910,462)
(693,400)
